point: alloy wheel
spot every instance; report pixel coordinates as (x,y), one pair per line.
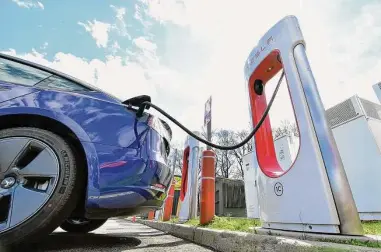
(29,171)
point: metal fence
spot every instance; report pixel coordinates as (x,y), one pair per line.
(230,197)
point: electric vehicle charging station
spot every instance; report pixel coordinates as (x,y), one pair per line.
(188,194)
(356,126)
(158,214)
(314,194)
(251,191)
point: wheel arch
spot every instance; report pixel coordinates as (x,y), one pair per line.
(66,128)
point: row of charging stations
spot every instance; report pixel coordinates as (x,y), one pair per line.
(188,200)
(323,185)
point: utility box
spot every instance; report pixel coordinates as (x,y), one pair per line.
(377,90)
(250,180)
(356,126)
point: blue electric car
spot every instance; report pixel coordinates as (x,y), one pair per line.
(72,156)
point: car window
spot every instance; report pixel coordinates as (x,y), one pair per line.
(17,73)
(56,82)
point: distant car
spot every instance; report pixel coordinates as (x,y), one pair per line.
(72,155)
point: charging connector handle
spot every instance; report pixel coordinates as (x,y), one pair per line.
(221,147)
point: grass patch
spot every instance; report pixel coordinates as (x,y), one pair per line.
(227,223)
(370,244)
(373,227)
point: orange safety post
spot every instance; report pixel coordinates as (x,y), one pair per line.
(169,202)
(151,215)
(207,207)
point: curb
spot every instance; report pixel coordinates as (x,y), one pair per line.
(231,241)
(318,237)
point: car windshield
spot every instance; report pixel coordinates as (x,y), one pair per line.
(14,72)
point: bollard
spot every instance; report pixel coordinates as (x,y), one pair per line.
(169,202)
(134,218)
(207,207)
(151,215)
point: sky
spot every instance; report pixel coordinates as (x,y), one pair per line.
(180,52)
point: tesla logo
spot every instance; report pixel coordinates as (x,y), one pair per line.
(281,155)
(278,189)
(259,51)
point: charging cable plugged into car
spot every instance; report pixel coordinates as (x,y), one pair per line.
(144,102)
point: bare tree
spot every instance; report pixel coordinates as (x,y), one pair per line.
(225,161)
(229,164)
(175,158)
(242,151)
(286,128)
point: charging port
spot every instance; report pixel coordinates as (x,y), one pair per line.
(258,87)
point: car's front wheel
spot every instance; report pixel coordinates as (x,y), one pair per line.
(39,183)
(76,225)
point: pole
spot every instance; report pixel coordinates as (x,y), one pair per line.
(209,134)
(208,120)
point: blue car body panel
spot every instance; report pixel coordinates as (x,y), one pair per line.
(126,165)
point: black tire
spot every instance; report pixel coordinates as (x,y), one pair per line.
(83,227)
(62,198)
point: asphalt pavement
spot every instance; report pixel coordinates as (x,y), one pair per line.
(116,235)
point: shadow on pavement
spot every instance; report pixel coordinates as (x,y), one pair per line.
(60,241)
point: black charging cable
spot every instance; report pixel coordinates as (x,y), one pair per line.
(258,88)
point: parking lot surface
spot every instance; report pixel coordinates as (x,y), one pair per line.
(116,235)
